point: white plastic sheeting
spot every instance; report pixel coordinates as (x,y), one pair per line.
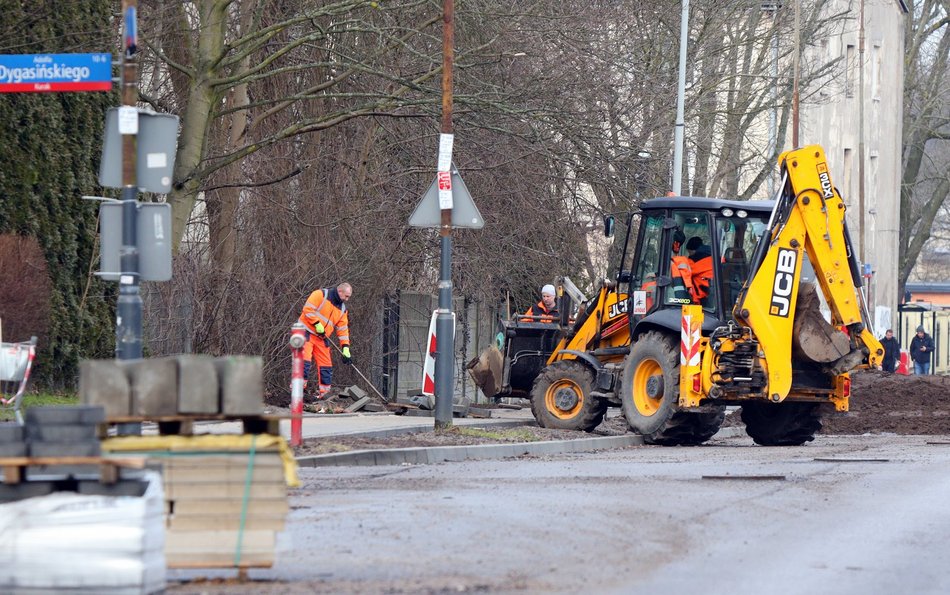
(85,544)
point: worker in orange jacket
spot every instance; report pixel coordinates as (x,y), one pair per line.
(546,308)
(324,313)
(701,267)
(680,270)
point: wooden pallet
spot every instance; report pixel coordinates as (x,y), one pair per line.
(184,425)
(14,468)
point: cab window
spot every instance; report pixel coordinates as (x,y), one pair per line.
(646,269)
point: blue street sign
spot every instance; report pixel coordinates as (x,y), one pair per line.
(40,73)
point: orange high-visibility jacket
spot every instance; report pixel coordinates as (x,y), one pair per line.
(539,310)
(320,309)
(702,271)
(682,278)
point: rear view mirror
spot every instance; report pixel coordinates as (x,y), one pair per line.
(608,226)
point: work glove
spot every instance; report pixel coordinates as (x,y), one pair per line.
(346,356)
(319,328)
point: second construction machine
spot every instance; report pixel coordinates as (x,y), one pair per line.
(753,336)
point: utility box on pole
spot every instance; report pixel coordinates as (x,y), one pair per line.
(156,144)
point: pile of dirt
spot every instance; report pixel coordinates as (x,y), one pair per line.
(883,402)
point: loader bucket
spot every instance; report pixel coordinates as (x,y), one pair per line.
(813,338)
(486,371)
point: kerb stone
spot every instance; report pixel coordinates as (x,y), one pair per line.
(154,385)
(242,384)
(198,390)
(104,383)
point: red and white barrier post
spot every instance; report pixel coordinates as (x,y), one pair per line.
(298,337)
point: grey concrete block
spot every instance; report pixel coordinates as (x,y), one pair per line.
(357,405)
(11,432)
(242,384)
(356,393)
(479,412)
(154,385)
(374,407)
(65,449)
(61,433)
(120,488)
(34,472)
(13,449)
(104,383)
(23,490)
(66,414)
(198,389)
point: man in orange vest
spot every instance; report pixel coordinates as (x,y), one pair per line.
(680,270)
(324,313)
(546,308)
(701,267)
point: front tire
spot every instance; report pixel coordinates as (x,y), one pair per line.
(561,399)
(650,396)
(781,424)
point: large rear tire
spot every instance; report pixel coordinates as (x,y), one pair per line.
(781,424)
(561,399)
(650,393)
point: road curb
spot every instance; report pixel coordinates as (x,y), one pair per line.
(426,427)
(442,454)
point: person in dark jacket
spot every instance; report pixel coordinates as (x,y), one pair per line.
(892,351)
(921,351)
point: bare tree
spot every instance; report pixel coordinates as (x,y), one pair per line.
(926,178)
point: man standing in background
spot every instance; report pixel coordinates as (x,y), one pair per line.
(921,351)
(892,351)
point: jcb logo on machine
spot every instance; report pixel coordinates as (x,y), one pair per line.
(784,282)
(826,188)
(617,309)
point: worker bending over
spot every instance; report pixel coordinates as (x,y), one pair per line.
(324,313)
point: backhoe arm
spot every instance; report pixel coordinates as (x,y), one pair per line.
(809,218)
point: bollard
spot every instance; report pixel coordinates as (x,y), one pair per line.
(298,337)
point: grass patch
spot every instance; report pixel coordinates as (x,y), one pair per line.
(505,435)
(40,400)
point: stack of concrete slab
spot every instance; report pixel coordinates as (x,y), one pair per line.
(178,385)
(225,496)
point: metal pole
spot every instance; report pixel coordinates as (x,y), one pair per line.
(795,62)
(298,337)
(445,344)
(680,100)
(129,308)
(861,207)
(128,324)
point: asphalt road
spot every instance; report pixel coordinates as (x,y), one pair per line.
(856,514)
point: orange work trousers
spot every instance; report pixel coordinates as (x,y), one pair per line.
(317,351)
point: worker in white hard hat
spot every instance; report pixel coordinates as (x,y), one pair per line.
(546,309)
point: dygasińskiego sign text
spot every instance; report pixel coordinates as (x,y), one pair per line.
(39,73)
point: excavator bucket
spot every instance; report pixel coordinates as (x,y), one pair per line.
(813,338)
(486,371)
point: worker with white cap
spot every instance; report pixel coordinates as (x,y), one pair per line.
(546,309)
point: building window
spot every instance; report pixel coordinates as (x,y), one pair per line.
(850,71)
(876,72)
(846,181)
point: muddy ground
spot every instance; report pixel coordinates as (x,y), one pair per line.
(880,403)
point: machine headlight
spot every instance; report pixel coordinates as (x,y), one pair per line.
(727,212)
(741,214)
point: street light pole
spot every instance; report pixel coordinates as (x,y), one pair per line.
(444,331)
(678,131)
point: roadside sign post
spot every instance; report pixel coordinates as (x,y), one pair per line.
(129,308)
(445,205)
(298,337)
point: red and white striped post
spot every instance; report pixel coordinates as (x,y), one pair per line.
(298,337)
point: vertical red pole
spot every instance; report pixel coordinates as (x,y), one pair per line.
(298,336)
